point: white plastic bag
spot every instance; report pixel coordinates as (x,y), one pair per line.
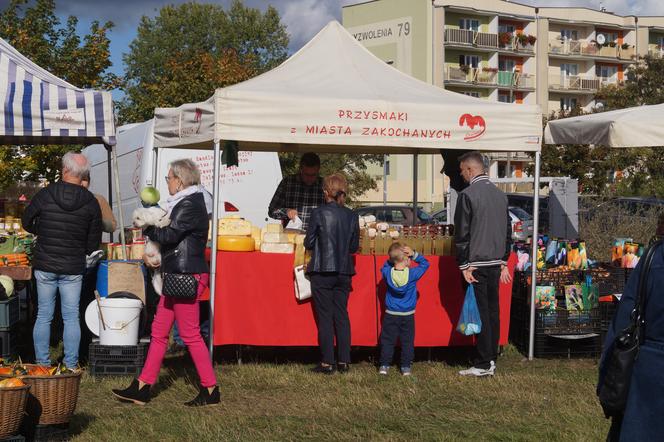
(302,284)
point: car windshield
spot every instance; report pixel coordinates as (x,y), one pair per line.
(421,214)
(520,213)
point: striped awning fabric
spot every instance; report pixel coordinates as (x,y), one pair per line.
(40,108)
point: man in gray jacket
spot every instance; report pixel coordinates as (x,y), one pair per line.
(483,235)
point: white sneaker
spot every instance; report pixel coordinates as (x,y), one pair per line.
(477,372)
(383,370)
(492,369)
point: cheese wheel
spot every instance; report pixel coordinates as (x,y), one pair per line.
(234,227)
(236,243)
(277,247)
(274,228)
(275,237)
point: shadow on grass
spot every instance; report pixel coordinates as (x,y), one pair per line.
(79,423)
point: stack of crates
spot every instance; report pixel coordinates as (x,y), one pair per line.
(9,317)
(117,360)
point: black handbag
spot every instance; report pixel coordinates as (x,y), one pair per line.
(179,285)
(614,388)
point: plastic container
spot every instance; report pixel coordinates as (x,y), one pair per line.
(9,312)
(121,319)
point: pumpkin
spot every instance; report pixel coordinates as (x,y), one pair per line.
(11,383)
(5,371)
(8,284)
(39,370)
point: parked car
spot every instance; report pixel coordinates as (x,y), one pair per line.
(522,222)
(395,214)
(525,202)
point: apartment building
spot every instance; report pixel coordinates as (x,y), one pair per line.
(503,51)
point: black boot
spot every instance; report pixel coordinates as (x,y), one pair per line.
(204,397)
(343,367)
(140,396)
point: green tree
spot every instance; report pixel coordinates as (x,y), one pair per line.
(83,61)
(195,48)
(186,52)
(640,170)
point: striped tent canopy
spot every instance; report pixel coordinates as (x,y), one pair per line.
(40,108)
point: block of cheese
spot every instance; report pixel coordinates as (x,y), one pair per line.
(234,227)
(236,243)
(256,234)
(277,247)
(274,228)
(270,237)
(299,239)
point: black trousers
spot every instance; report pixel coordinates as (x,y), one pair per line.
(330,294)
(402,327)
(486,293)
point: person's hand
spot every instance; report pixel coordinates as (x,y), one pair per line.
(505,275)
(291,213)
(468,275)
(150,261)
(408,251)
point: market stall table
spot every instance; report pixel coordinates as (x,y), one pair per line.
(255,303)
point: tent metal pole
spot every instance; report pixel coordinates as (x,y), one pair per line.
(385,162)
(116,170)
(414,189)
(213,254)
(533,269)
(109,166)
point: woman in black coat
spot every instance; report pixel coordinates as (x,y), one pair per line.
(332,237)
(644,415)
(183,244)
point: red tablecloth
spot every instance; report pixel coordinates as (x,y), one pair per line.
(255,303)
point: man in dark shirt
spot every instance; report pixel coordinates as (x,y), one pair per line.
(297,195)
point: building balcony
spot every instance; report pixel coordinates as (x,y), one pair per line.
(579,83)
(515,80)
(471,76)
(590,49)
(466,38)
(512,43)
(656,51)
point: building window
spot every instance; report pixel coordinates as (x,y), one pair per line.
(469,24)
(569,69)
(387,167)
(506,65)
(609,36)
(470,60)
(507,28)
(606,71)
(569,34)
(471,94)
(568,103)
(504,97)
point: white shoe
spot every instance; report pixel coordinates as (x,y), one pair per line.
(477,372)
(383,370)
(492,369)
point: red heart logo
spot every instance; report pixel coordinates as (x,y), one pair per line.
(476,124)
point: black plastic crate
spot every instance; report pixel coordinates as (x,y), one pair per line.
(566,322)
(557,278)
(568,346)
(10,312)
(610,280)
(49,433)
(17,438)
(114,369)
(118,354)
(8,342)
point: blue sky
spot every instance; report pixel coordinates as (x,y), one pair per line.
(303,18)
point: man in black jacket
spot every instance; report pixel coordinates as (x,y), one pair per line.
(483,235)
(67,221)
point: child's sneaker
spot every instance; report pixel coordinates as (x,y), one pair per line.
(383,370)
(405,371)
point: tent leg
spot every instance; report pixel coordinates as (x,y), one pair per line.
(531,337)
(213,255)
(414,189)
(123,241)
(109,165)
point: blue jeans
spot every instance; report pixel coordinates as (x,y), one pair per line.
(48,284)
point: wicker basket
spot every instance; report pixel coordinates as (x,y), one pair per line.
(12,408)
(52,399)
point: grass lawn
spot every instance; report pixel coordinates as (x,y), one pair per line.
(548,400)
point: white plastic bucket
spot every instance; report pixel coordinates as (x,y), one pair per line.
(121,319)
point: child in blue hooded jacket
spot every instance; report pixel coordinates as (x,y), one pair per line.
(400,300)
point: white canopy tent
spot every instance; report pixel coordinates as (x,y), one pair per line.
(632,127)
(333,95)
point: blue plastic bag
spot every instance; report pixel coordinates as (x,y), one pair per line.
(469,321)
